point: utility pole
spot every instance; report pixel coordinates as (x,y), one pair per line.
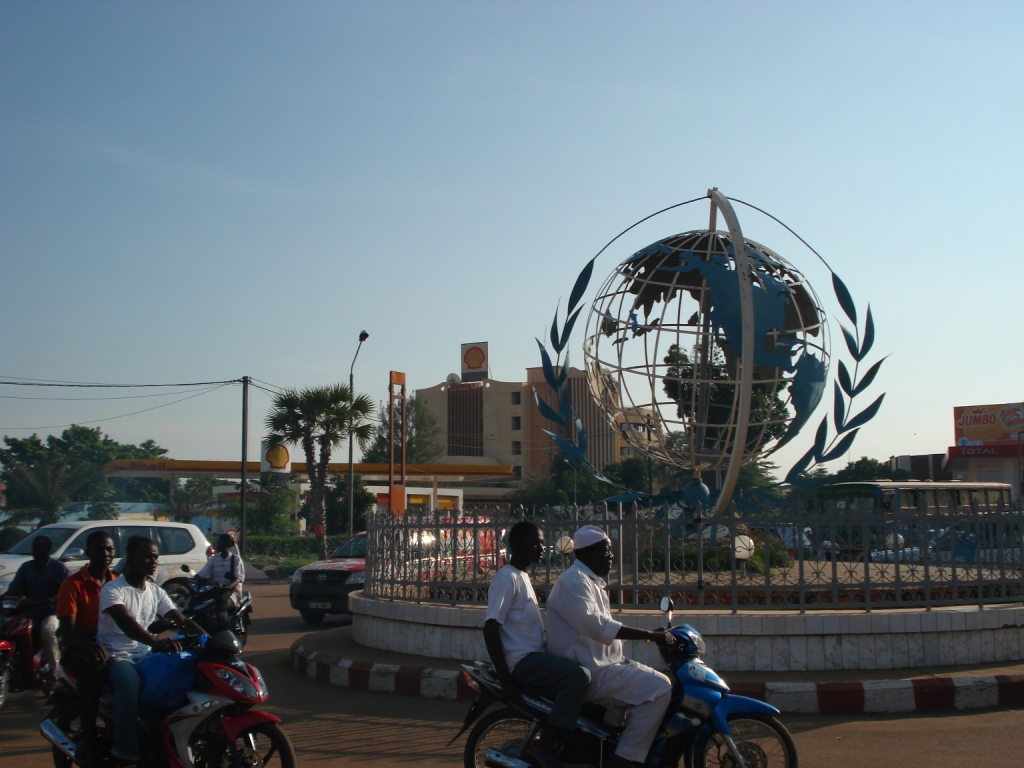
(245,459)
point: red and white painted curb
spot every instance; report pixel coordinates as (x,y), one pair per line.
(918,694)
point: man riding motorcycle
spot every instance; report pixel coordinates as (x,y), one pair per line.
(128,605)
(39,581)
(225,569)
(78,610)
(514,634)
(581,628)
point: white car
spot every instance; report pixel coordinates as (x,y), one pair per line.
(180,545)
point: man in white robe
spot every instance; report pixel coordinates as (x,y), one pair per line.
(581,628)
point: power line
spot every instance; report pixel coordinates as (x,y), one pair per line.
(124,415)
(44,383)
(86,399)
(272,386)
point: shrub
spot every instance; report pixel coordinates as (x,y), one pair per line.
(287,546)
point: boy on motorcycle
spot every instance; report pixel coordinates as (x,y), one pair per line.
(78,610)
(514,634)
(128,605)
(39,581)
(225,569)
(581,628)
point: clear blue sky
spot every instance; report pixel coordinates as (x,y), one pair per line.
(194,191)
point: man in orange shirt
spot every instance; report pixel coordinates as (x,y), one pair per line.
(78,610)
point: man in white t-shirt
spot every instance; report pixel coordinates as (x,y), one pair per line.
(514,633)
(128,605)
(225,569)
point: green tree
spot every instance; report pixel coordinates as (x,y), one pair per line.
(193,497)
(319,420)
(867,469)
(41,489)
(272,512)
(85,450)
(422,439)
(766,405)
(336,503)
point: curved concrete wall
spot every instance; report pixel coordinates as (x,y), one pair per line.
(755,641)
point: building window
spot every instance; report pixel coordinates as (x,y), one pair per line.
(517,448)
(517,472)
(626,451)
(517,398)
(517,422)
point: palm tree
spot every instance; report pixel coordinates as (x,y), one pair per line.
(44,487)
(320,420)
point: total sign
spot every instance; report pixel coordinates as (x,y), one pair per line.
(981,424)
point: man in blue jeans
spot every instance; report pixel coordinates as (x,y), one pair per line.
(128,605)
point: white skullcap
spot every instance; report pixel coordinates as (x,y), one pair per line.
(588,535)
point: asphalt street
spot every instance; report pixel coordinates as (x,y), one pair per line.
(337,727)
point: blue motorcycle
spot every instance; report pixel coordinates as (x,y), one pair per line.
(704,727)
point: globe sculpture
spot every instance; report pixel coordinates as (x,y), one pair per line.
(708,350)
(664,342)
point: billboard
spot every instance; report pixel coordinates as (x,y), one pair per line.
(476,364)
(982,424)
(274,458)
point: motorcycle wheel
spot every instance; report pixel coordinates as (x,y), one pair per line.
(5,683)
(504,730)
(264,745)
(762,740)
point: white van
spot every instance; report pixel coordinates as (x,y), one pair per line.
(180,544)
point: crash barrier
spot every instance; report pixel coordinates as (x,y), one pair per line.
(816,557)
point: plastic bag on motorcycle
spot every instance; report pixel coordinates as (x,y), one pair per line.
(166,678)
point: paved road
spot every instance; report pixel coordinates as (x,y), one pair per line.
(336,727)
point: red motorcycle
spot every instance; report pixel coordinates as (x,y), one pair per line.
(215,727)
(22,665)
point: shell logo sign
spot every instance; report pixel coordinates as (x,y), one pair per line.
(274,458)
(475,363)
(474,358)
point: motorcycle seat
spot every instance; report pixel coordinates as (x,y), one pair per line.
(593,715)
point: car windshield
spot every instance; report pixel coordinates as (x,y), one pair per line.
(352,548)
(57,537)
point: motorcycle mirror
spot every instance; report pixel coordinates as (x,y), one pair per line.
(73,554)
(666,607)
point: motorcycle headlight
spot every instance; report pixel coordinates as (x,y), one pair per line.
(239,683)
(296,577)
(357,578)
(698,641)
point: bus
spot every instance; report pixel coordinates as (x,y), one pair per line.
(912,521)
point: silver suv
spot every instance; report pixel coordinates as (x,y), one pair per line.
(180,544)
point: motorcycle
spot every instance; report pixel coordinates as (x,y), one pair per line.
(705,726)
(202,603)
(22,665)
(216,726)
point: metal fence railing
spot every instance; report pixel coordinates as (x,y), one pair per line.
(798,560)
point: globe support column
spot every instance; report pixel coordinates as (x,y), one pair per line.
(739,442)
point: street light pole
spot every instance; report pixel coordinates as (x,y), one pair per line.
(363,336)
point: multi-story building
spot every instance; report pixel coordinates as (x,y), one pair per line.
(499,420)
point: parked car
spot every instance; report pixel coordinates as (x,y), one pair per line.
(323,587)
(181,545)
